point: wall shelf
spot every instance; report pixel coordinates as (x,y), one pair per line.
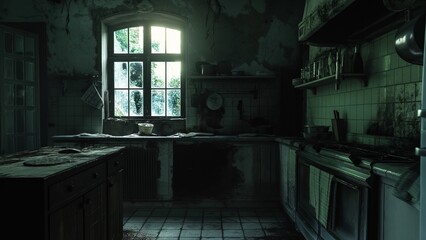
(199,77)
(330,79)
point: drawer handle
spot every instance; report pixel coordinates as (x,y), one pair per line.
(421,113)
(420,151)
(70,188)
(95,175)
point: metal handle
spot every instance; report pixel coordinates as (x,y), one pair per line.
(354,187)
(420,151)
(421,113)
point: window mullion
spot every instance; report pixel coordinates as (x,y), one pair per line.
(147,72)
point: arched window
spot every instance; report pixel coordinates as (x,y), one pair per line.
(145,59)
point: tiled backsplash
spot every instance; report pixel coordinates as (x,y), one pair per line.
(384,110)
(259,99)
(68,114)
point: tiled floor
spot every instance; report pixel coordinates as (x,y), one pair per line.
(190,223)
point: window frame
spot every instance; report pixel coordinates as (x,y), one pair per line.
(147,57)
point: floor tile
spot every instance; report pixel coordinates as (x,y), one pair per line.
(169,233)
(192,226)
(190,233)
(211,233)
(211,226)
(184,222)
(248,226)
(227,225)
(233,233)
(174,225)
(254,233)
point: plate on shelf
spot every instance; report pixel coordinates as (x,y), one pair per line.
(214,101)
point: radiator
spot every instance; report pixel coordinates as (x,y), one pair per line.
(141,170)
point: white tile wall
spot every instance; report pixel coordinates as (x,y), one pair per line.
(265,105)
(68,114)
(390,101)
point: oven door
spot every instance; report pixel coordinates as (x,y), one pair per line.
(348,214)
(349,204)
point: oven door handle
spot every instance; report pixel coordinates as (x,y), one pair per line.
(355,187)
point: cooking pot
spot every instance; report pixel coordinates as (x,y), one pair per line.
(409,40)
(315,132)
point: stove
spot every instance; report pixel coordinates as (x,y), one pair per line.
(367,154)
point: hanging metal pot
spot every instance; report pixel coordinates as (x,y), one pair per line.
(409,41)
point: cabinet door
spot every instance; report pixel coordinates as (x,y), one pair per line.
(284,153)
(399,219)
(95,213)
(291,180)
(67,223)
(115,206)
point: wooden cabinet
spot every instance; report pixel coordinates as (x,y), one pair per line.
(80,200)
(288,179)
(115,198)
(83,218)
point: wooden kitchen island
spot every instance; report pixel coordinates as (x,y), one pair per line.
(50,195)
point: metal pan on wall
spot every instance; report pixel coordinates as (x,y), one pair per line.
(409,40)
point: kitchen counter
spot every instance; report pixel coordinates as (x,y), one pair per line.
(179,137)
(387,170)
(14,166)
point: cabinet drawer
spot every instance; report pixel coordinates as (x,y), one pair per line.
(115,164)
(75,185)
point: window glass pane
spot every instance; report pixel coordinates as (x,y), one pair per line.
(9,118)
(121,103)
(19,70)
(10,144)
(173,40)
(173,102)
(136,39)
(9,95)
(136,103)
(121,41)
(173,74)
(29,96)
(157,102)
(20,143)
(29,47)
(19,95)
(29,71)
(136,74)
(20,121)
(19,44)
(31,143)
(8,68)
(30,122)
(8,42)
(158,70)
(158,35)
(120,75)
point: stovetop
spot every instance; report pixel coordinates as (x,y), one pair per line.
(356,153)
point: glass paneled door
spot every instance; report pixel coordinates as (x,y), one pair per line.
(19,103)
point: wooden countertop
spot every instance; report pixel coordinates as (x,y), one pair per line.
(14,167)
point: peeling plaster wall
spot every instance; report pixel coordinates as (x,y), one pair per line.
(254,35)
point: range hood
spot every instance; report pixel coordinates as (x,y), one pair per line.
(337,22)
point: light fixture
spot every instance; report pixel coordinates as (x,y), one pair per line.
(145,6)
